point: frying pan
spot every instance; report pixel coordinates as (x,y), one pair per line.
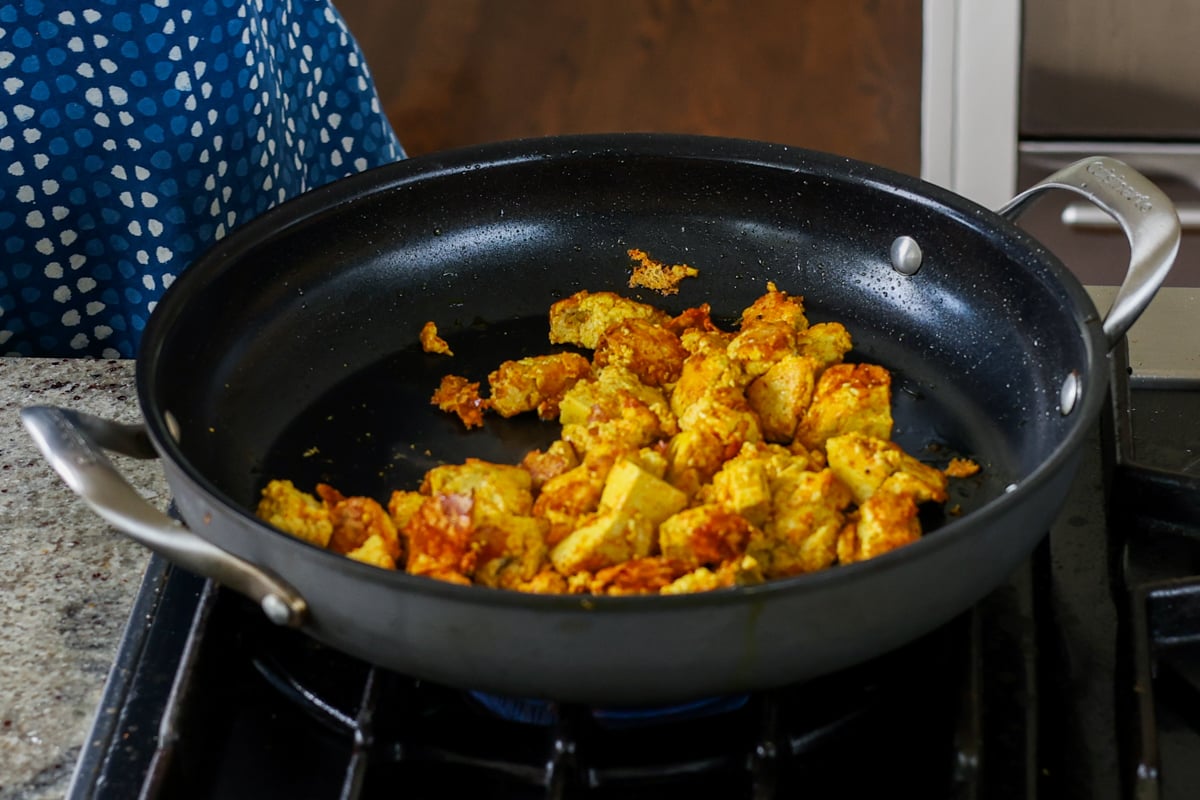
(290,350)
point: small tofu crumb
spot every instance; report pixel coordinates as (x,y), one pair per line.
(961,468)
(651,274)
(431,342)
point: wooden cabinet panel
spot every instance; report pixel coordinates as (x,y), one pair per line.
(837,76)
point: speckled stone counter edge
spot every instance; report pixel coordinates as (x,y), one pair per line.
(67,580)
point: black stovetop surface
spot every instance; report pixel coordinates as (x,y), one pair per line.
(1079,677)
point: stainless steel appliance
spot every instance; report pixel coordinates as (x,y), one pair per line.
(1118,77)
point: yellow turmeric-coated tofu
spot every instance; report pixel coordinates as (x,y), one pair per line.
(704,374)
(630,489)
(781,396)
(848,398)
(605,539)
(295,512)
(744,571)
(693,457)
(564,499)
(355,519)
(725,415)
(808,513)
(886,521)
(535,383)
(760,346)
(864,462)
(374,551)
(402,505)
(743,484)
(636,576)
(558,458)
(499,489)
(607,392)
(775,306)
(439,537)
(704,535)
(826,343)
(509,552)
(581,318)
(651,352)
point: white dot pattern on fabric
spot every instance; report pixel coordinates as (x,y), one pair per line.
(135,134)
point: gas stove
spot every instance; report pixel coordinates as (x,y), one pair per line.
(1079,677)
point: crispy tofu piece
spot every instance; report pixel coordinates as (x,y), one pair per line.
(657,275)
(547,581)
(697,319)
(566,498)
(431,342)
(605,394)
(808,513)
(704,374)
(886,521)
(535,383)
(636,576)
(630,489)
(744,571)
(848,398)
(510,552)
(613,414)
(487,510)
(651,352)
(295,512)
(501,489)
(704,535)
(699,342)
(758,347)
(632,505)
(581,318)
(781,396)
(693,457)
(402,505)
(374,551)
(457,395)
(439,539)
(605,539)
(725,415)
(826,343)
(775,306)
(743,484)
(556,460)
(356,519)
(864,462)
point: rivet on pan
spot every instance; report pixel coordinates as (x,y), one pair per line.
(172,425)
(1069,394)
(276,609)
(906,255)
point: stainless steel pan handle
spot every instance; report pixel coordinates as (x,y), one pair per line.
(1142,210)
(74,444)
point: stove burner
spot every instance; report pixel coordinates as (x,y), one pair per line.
(531,711)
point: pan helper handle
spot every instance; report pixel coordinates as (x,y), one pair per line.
(74,444)
(1142,210)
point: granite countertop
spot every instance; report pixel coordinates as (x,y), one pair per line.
(67,580)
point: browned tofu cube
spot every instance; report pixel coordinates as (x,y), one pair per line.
(863,463)
(781,396)
(848,398)
(582,317)
(651,352)
(704,535)
(535,383)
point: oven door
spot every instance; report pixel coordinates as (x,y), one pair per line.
(1164,344)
